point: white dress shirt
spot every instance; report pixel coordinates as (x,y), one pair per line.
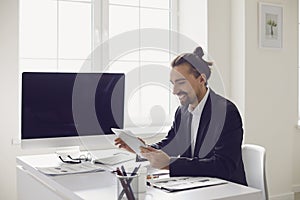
(196,116)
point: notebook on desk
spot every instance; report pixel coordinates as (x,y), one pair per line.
(175,184)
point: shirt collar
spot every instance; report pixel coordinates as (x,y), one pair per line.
(198,110)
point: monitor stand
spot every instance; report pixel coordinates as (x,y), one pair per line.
(73,151)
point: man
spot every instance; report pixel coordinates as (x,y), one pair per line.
(206,136)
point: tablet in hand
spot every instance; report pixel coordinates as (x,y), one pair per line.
(130,139)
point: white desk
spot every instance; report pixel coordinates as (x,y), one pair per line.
(102,185)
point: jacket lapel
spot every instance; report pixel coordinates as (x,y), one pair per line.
(183,135)
(211,124)
(188,152)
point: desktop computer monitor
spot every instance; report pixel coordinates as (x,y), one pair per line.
(70,109)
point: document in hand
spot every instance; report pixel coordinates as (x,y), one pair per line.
(184,183)
(130,139)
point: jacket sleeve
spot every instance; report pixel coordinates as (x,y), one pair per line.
(224,158)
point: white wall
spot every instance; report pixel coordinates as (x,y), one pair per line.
(270,91)
(237,56)
(263,84)
(268,75)
(9,95)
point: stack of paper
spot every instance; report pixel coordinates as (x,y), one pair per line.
(183,183)
(64,168)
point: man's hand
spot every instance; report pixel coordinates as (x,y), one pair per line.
(157,158)
(119,142)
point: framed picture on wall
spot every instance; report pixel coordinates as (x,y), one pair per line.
(270,25)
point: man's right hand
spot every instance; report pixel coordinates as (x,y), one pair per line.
(121,144)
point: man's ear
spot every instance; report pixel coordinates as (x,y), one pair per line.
(202,78)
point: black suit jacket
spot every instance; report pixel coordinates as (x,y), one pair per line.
(218,144)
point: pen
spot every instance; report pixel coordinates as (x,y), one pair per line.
(123,171)
(157,175)
(128,193)
(128,182)
(204,180)
(135,170)
(160,174)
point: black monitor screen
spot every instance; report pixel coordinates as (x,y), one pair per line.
(71,104)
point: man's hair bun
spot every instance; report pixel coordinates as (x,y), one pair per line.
(199,52)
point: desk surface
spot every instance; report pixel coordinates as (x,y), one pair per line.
(103,184)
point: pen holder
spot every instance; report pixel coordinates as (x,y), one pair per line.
(127,187)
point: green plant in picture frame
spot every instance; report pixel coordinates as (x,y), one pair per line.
(272,25)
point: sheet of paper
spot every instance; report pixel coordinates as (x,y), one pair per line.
(183,183)
(70,169)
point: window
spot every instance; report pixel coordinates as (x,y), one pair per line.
(60,35)
(148,102)
(53,36)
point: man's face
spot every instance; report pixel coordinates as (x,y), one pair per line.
(186,86)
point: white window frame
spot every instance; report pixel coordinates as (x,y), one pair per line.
(106,58)
(100,29)
(58,58)
(103,24)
